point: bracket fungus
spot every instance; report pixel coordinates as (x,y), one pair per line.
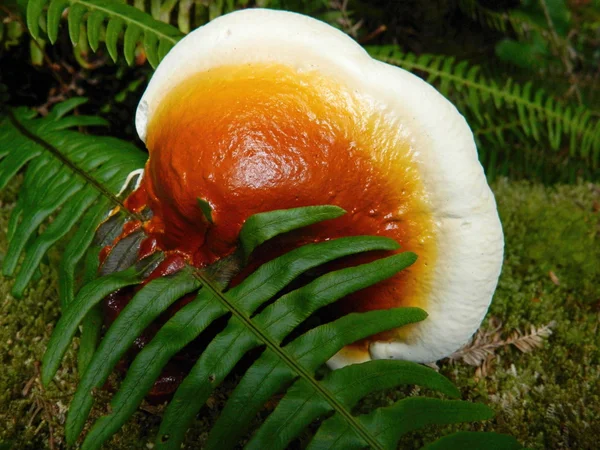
(262,110)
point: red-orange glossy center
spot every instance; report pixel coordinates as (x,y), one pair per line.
(255,138)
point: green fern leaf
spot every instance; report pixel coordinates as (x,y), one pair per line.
(278,366)
(55,10)
(92,322)
(132,36)
(151,48)
(274,323)
(302,405)
(75,20)
(389,424)
(264,226)
(66,219)
(35,11)
(507,115)
(113,30)
(89,296)
(140,28)
(60,110)
(76,248)
(152,300)
(465,439)
(191,320)
(94,28)
(295,361)
(67,174)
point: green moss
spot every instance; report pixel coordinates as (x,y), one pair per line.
(549,398)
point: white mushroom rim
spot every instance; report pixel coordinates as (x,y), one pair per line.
(468,234)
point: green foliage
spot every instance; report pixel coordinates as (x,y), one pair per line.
(188,14)
(11,29)
(517,118)
(262,227)
(298,359)
(69,175)
(106,19)
(545,37)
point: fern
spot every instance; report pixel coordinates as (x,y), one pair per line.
(526,114)
(279,366)
(107,19)
(70,175)
(190,14)
(71,181)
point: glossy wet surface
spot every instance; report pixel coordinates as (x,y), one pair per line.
(256,138)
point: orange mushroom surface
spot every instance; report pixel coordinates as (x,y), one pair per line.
(260,137)
(263,110)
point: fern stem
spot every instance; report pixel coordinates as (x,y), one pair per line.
(495,128)
(58,155)
(283,355)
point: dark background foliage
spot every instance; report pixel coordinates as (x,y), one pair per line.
(551,44)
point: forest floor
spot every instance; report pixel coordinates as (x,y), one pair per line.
(536,360)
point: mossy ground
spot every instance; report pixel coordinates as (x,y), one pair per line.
(548,398)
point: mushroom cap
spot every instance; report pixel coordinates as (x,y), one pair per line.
(461,207)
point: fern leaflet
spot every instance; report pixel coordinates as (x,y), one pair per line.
(107,18)
(68,174)
(527,113)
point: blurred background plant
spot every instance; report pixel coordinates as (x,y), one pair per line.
(525,73)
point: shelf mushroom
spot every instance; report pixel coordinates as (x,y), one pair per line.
(262,110)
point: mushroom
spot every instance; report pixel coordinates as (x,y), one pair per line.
(262,110)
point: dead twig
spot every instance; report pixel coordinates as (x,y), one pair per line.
(480,351)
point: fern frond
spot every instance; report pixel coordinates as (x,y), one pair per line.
(502,114)
(302,404)
(280,364)
(106,20)
(189,14)
(69,175)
